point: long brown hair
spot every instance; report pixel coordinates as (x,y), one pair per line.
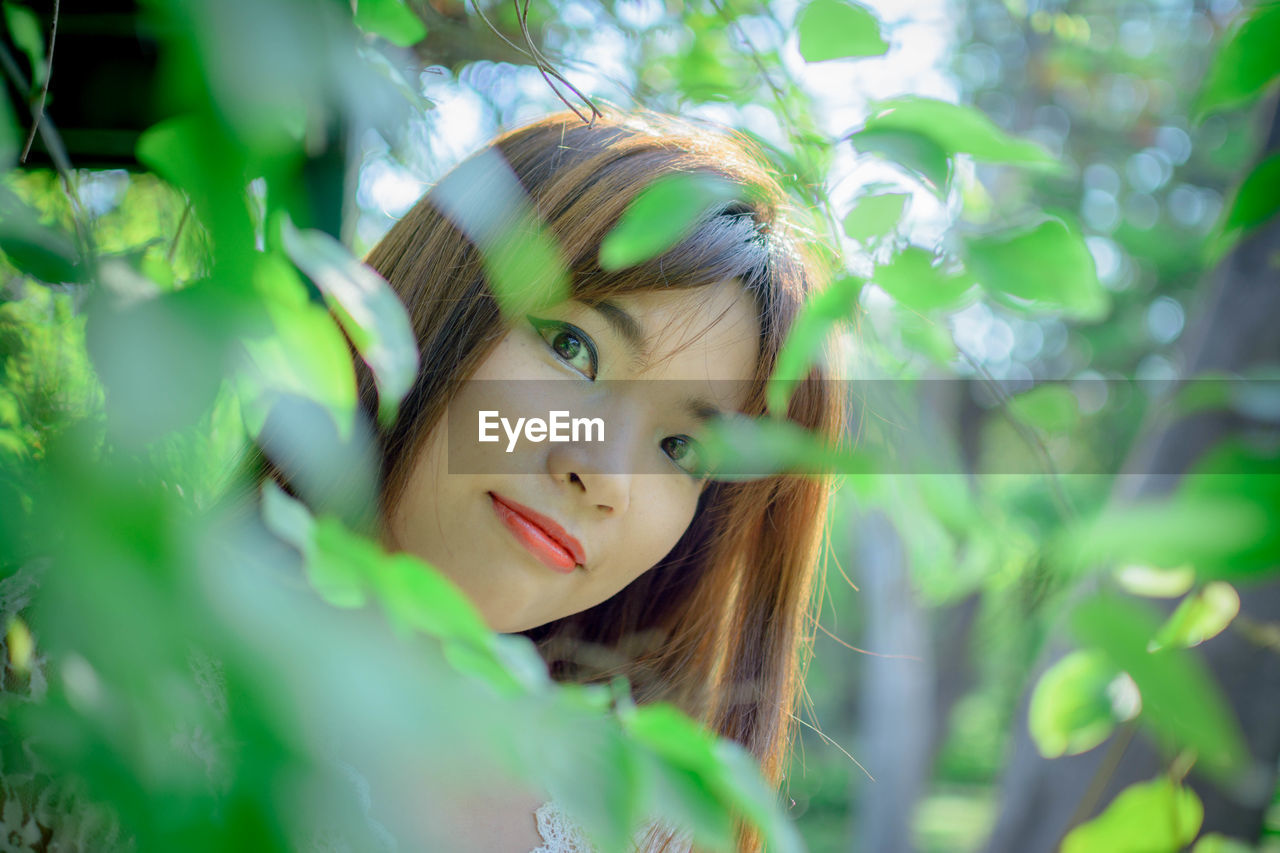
(719,627)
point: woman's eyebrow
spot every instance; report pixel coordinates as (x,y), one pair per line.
(624,325)
(702,409)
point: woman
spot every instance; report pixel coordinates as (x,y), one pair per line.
(696,591)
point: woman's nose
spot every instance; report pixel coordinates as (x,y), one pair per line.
(599,476)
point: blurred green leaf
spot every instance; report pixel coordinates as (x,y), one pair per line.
(1246,64)
(875,215)
(370,312)
(732,777)
(306,355)
(1155,582)
(1046,264)
(1180,700)
(1255,202)
(161,359)
(835,29)
(392,20)
(1146,816)
(744,448)
(913,279)
(958,129)
(20,645)
(1050,407)
(1201,531)
(660,216)
(523,262)
(1240,476)
(1071,709)
(1215,842)
(804,341)
(1199,617)
(917,153)
(44,252)
(25,30)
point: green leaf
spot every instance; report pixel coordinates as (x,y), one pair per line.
(338,564)
(1199,617)
(1046,264)
(370,312)
(1052,408)
(523,262)
(823,310)
(1246,64)
(392,20)
(1257,200)
(287,517)
(1245,478)
(660,216)
(1071,708)
(1146,816)
(1180,700)
(916,153)
(1217,843)
(44,252)
(307,355)
(25,30)
(1200,531)
(1154,581)
(720,774)
(744,448)
(958,130)
(915,281)
(875,215)
(833,29)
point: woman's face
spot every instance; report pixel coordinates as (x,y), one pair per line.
(533,530)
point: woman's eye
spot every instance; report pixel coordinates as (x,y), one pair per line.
(685,453)
(570,344)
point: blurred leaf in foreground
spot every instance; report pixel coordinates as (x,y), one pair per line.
(835,29)
(1247,63)
(1155,815)
(660,216)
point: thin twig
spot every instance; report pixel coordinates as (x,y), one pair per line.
(1098,784)
(37,110)
(538,59)
(177,234)
(545,67)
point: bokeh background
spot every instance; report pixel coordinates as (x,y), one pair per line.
(1051,613)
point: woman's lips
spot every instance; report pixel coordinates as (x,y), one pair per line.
(545,539)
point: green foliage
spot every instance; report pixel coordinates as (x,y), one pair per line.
(915,153)
(1199,617)
(1159,815)
(1257,200)
(913,279)
(874,216)
(390,19)
(206,336)
(1246,64)
(24,29)
(1180,701)
(1072,710)
(836,29)
(804,342)
(662,214)
(955,129)
(1046,264)
(370,313)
